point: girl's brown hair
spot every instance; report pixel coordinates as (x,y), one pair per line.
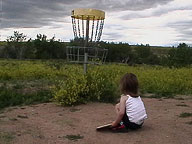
(129,84)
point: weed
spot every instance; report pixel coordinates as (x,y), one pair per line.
(1,121)
(2,116)
(74,137)
(69,122)
(22,116)
(190,123)
(6,137)
(74,109)
(182,105)
(13,119)
(18,86)
(179,98)
(185,114)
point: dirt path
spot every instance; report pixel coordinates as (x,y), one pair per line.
(52,124)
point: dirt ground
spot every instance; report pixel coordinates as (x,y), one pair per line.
(49,123)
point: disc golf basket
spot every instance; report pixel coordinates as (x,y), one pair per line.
(87,27)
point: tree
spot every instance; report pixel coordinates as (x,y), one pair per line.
(15,46)
(144,55)
(48,49)
(180,56)
(117,52)
(77,42)
(30,50)
(17,37)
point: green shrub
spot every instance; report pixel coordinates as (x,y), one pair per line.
(80,88)
(180,56)
(101,85)
(73,90)
(71,86)
(9,97)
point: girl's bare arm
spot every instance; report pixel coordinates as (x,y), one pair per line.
(121,111)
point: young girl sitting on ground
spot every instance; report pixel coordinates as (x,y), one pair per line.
(131,110)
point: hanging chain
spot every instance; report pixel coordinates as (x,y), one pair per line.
(83,27)
(92,28)
(100,30)
(74,27)
(79,28)
(96,29)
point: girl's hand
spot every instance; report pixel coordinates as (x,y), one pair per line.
(113,124)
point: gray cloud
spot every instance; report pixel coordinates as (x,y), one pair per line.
(116,26)
(37,13)
(134,5)
(112,36)
(181,25)
(157,12)
(166,10)
(184,30)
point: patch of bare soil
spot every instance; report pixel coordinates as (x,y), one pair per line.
(51,124)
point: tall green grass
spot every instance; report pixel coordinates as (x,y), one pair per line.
(67,84)
(9,97)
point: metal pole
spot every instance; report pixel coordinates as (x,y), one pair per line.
(85,63)
(78,55)
(67,52)
(87,32)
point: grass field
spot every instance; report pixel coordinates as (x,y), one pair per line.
(26,82)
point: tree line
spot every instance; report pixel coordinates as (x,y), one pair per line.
(18,47)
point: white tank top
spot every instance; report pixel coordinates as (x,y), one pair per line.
(135,110)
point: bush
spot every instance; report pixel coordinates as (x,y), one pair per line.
(80,88)
(71,86)
(101,85)
(73,90)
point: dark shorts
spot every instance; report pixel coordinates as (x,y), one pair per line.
(130,125)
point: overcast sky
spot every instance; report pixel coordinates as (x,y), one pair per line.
(154,22)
